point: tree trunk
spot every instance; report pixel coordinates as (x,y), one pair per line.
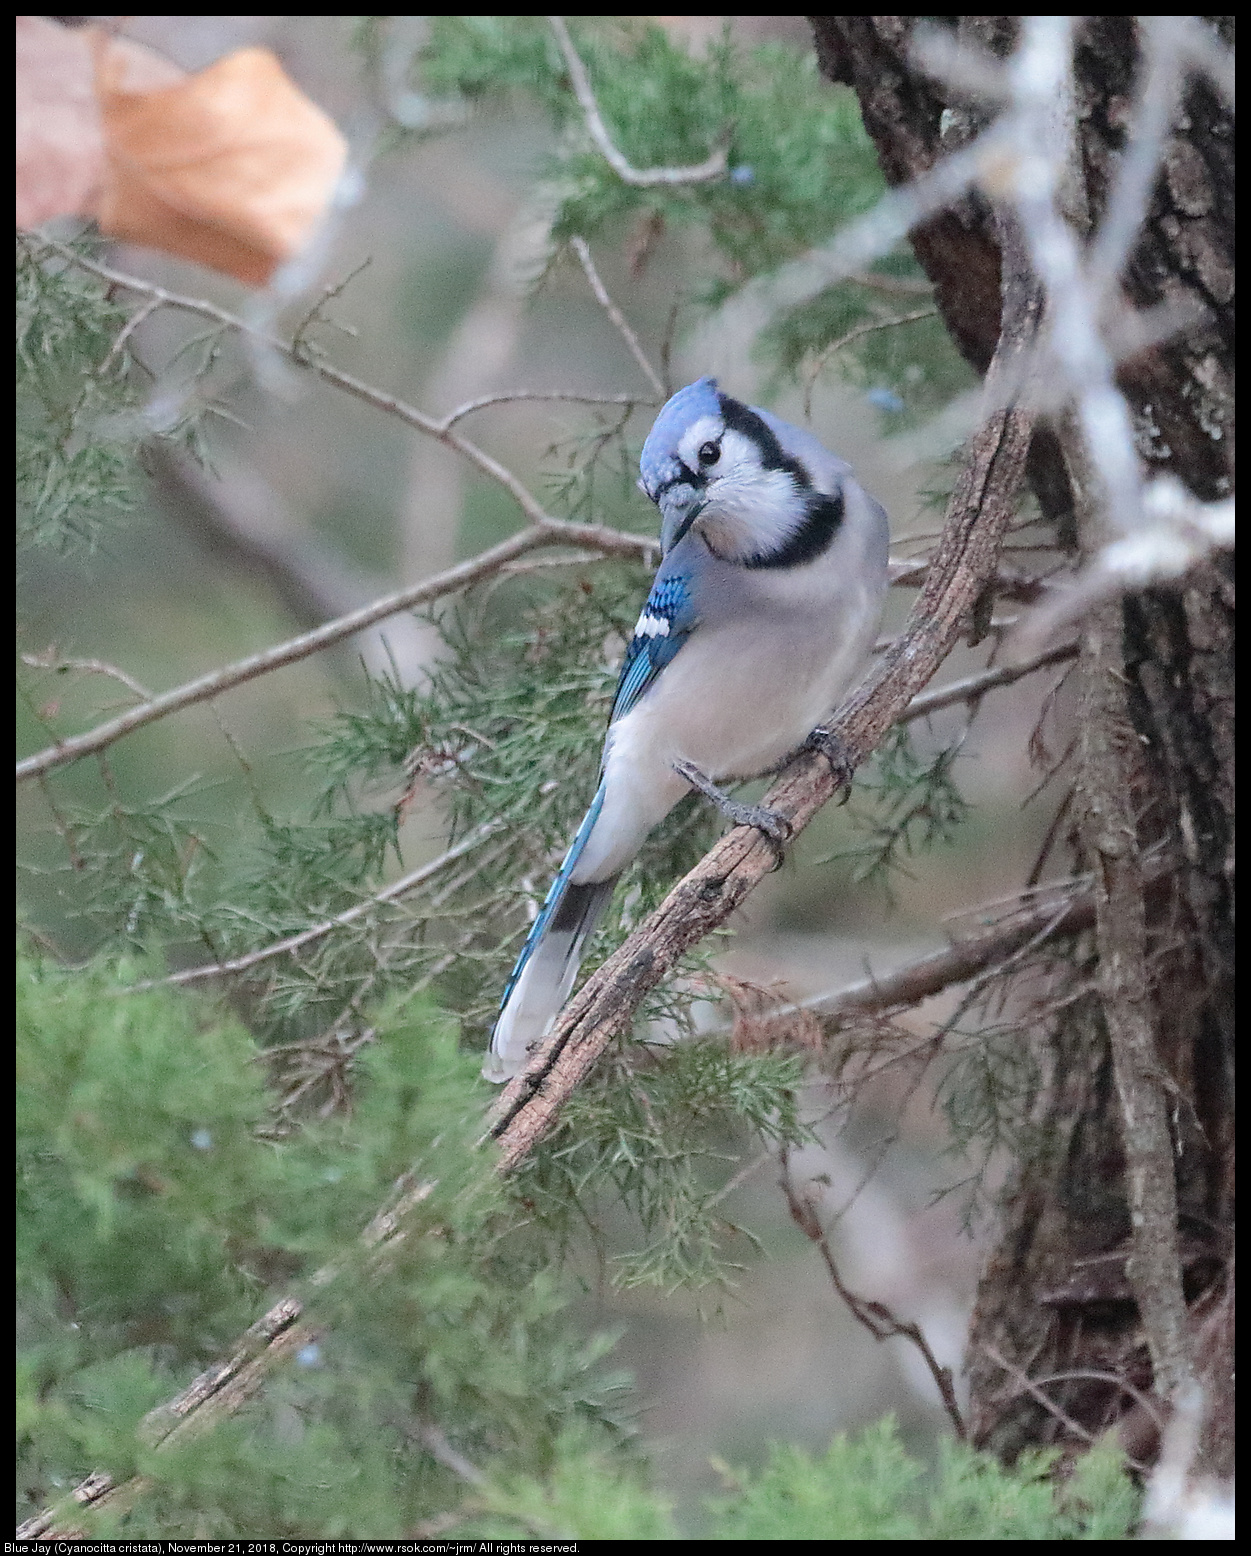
(1058,1295)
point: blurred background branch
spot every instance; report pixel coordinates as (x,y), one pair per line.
(382,831)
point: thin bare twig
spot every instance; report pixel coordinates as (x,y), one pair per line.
(126,331)
(1028,1386)
(974,687)
(645,178)
(1091,1375)
(507,397)
(300,342)
(582,249)
(855,334)
(876,1317)
(549,532)
(400,888)
(1010,582)
(391,404)
(51,660)
(990,910)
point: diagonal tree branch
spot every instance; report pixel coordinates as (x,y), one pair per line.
(224,1388)
(400,888)
(583,250)
(978,515)
(547,532)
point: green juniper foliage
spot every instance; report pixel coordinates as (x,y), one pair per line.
(140,1128)
(796,150)
(914,803)
(75,400)
(180,1167)
(80,400)
(868,1488)
(799,165)
(156,1220)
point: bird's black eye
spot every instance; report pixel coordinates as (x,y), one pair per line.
(709,453)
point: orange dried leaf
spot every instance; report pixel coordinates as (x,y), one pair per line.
(232,167)
(60,147)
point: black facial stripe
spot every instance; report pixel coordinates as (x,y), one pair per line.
(685,477)
(821,523)
(738,417)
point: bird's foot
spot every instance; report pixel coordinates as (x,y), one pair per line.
(836,753)
(776,829)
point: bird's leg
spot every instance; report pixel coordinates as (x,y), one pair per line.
(836,754)
(775,828)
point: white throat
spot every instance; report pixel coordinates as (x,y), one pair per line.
(753,513)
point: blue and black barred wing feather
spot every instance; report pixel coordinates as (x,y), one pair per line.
(667,620)
(548,964)
(555,893)
(549,960)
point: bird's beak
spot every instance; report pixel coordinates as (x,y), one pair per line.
(684,521)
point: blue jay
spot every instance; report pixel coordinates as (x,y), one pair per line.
(763,610)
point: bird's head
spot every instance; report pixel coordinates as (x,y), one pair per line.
(712,464)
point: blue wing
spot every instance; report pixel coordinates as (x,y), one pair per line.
(667,620)
(554,895)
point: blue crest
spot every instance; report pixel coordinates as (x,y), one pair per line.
(676,415)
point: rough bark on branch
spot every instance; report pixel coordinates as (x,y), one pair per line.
(968,552)
(1054,1298)
(1108,788)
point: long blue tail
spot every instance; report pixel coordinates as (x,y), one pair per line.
(549,960)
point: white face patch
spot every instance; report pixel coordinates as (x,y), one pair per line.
(751,511)
(708,429)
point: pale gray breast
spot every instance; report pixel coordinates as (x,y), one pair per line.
(851,570)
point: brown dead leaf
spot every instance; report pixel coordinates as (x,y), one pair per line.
(232,167)
(60,144)
(764,1019)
